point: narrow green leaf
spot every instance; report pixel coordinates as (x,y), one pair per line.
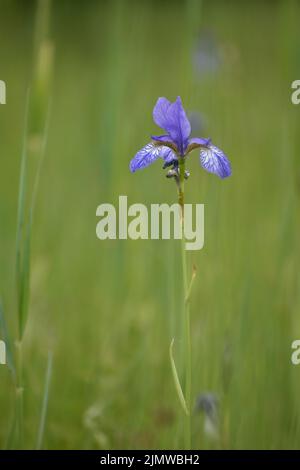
(41,429)
(40,164)
(25,271)
(25,281)
(176,380)
(20,216)
(194,272)
(11,438)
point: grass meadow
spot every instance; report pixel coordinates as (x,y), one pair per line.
(107,310)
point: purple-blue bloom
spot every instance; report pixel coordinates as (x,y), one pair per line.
(176,143)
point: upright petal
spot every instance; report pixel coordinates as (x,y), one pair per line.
(215,161)
(172,118)
(160,112)
(149,154)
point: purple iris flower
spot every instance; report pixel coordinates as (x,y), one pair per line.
(177,143)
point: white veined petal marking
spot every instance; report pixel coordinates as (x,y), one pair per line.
(160,151)
(144,157)
(148,154)
(215,161)
(150,148)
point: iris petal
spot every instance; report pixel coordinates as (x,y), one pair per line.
(196,142)
(215,161)
(165,140)
(161,112)
(172,118)
(149,154)
(167,154)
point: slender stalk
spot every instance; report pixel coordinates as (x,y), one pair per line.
(186,311)
(19,395)
(21,283)
(41,429)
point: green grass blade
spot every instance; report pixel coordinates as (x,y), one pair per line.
(25,281)
(25,272)
(41,429)
(10,442)
(176,380)
(20,216)
(40,164)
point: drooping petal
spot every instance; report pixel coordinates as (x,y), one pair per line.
(196,142)
(215,161)
(172,118)
(148,155)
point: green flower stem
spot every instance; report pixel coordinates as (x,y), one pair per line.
(186,311)
(19,396)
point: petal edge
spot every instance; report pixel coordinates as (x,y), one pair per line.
(215,161)
(144,157)
(148,154)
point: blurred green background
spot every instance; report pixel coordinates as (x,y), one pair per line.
(108,309)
